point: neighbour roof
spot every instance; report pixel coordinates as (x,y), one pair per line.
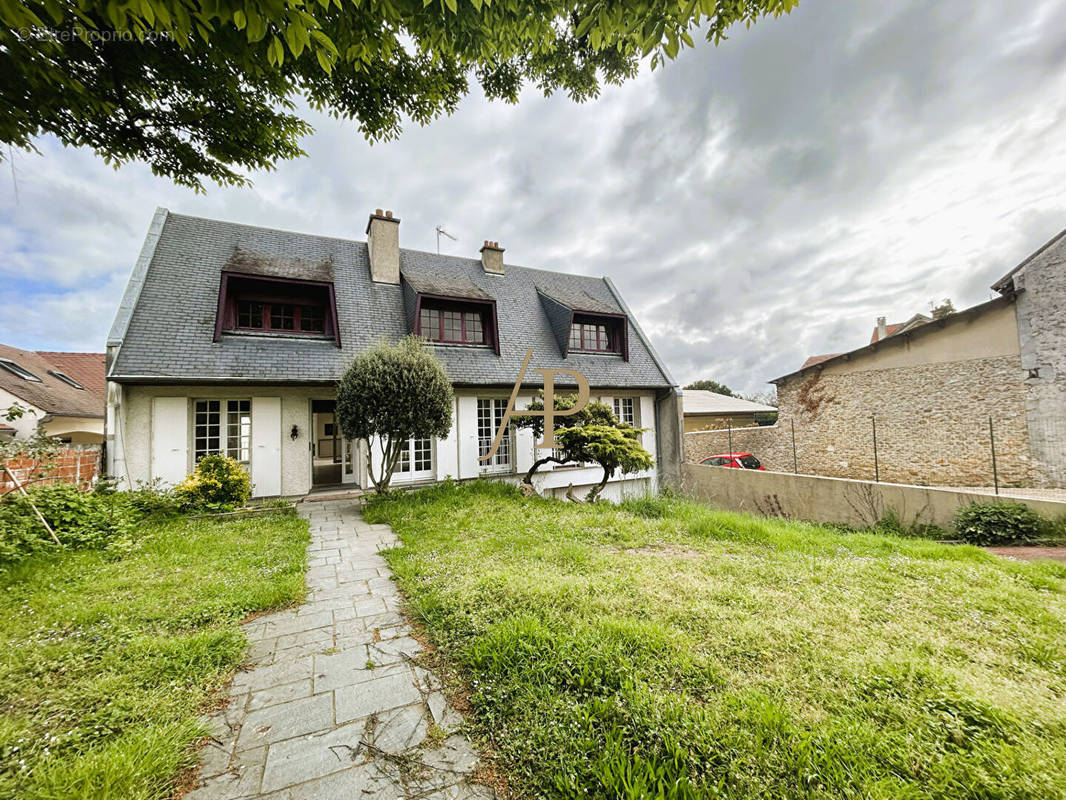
(900,327)
(170,332)
(812,360)
(701,401)
(51,394)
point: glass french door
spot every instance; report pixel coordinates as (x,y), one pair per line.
(416,461)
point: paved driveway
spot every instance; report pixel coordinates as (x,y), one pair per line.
(336,705)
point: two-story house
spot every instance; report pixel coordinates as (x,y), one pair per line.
(231,339)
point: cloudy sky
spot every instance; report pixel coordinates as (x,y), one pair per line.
(756,203)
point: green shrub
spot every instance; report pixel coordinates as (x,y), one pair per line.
(80,520)
(998,522)
(217,484)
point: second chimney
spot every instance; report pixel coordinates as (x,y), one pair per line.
(492,257)
(882,328)
(383,244)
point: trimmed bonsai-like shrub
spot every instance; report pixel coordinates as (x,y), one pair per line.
(218,483)
(999,522)
(390,394)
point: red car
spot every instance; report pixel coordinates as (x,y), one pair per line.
(734,461)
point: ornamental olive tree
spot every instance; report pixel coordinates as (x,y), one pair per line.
(592,413)
(593,434)
(209,89)
(390,394)
(614,447)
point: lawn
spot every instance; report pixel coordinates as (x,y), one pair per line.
(109,659)
(664,649)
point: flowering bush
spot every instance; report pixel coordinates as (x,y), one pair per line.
(218,483)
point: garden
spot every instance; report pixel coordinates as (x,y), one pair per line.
(118,638)
(663,649)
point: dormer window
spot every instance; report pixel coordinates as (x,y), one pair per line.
(278,306)
(455,321)
(454,326)
(596,334)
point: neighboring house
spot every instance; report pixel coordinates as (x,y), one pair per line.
(64,394)
(884,329)
(706,411)
(231,339)
(931,386)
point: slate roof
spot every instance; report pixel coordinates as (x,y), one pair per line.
(171,317)
(51,394)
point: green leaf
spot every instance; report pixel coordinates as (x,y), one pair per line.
(453,6)
(240,21)
(324,62)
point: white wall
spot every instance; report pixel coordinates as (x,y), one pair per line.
(455,455)
(130,451)
(26,425)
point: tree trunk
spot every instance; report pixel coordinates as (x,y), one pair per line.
(594,492)
(538,464)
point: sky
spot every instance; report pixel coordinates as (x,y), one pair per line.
(755,203)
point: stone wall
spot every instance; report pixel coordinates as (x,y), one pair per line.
(769,443)
(932,425)
(1041,305)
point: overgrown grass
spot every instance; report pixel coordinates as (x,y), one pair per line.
(107,662)
(664,649)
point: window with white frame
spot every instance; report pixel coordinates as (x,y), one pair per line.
(416,459)
(490,412)
(625,410)
(223,427)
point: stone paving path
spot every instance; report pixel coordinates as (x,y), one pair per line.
(335,706)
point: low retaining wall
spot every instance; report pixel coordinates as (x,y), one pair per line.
(817,499)
(78,464)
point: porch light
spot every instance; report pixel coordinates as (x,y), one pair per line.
(295,432)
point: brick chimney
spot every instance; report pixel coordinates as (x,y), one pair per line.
(492,257)
(383,243)
(882,328)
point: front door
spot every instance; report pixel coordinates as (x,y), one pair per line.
(335,461)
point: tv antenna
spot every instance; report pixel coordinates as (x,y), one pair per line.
(442,232)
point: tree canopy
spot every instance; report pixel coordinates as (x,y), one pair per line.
(208,89)
(389,395)
(708,385)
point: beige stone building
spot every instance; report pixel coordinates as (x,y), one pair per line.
(927,391)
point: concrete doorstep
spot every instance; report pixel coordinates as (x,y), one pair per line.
(336,705)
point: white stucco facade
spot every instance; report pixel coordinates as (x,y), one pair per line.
(151,436)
